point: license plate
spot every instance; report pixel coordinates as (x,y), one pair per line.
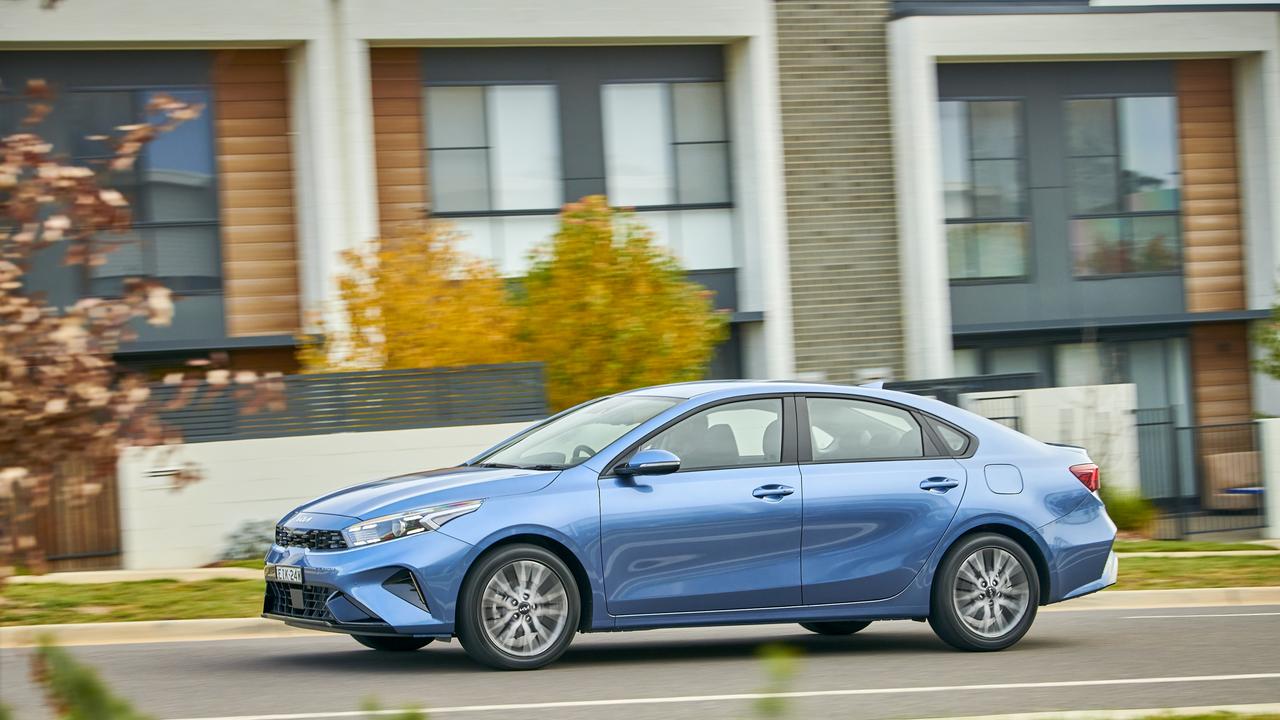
(285,574)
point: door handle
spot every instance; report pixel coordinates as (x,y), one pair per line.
(940,484)
(772,493)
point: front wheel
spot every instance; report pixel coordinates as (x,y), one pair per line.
(840,627)
(518,609)
(985,594)
(392,643)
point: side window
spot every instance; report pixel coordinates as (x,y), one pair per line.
(955,441)
(841,429)
(732,435)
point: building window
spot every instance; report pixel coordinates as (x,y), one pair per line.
(494,156)
(513,133)
(1124,185)
(984,189)
(493,148)
(171,189)
(666,144)
(666,149)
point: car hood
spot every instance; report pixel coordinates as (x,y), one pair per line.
(432,487)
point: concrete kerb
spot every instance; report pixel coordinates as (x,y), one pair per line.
(258,628)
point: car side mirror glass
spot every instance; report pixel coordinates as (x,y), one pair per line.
(650,462)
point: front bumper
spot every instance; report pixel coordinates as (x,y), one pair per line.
(348,591)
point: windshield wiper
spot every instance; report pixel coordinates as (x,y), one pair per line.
(542,466)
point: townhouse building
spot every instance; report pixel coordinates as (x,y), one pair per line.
(328,123)
(873,188)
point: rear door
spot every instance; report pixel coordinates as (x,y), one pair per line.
(878,497)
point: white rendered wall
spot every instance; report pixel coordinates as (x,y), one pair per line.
(1099,418)
(1269,437)
(163,527)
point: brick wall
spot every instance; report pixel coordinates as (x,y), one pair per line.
(841,216)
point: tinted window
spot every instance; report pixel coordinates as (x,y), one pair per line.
(953,440)
(731,435)
(842,429)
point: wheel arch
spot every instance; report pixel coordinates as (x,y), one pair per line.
(1019,535)
(555,547)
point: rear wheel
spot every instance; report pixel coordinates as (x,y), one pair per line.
(519,608)
(985,594)
(839,627)
(392,643)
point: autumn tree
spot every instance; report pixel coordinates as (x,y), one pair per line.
(606,309)
(66,408)
(413,300)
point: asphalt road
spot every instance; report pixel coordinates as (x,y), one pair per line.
(1090,659)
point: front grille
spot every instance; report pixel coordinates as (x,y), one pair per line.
(310,539)
(300,601)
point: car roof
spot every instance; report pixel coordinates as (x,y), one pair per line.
(698,388)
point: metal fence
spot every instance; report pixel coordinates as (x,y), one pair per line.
(367,402)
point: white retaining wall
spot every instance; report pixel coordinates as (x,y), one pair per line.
(252,480)
(1099,418)
(1269,444)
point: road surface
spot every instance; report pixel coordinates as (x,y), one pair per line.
(1071,660)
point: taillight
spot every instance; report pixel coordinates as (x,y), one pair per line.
(1088,474)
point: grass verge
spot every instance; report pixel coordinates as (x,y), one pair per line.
(1123,546)
(1164,573)
(39,604)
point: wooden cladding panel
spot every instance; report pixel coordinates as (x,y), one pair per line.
(1213,263)
(1220,373)
(398,136)
(255,166)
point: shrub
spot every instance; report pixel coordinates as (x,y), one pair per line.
(607,309)
(250,541)
(1129,511)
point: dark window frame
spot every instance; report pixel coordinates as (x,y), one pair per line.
(1024,189)
(578,72)
(1120,214)
(139,204)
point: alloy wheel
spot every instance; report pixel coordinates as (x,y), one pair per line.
(524,608)
(991,593)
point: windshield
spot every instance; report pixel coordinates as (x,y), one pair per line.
(573,438)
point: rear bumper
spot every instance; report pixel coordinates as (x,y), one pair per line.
(1110,574)
(1081,560)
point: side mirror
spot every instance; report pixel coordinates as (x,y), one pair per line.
(650,462)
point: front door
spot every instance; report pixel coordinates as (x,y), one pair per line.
(876,502)
(721,533)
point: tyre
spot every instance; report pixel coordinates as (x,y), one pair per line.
(839,627)
(518,609)
(985,594)
(392,643)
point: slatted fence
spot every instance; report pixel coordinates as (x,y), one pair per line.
(367,402)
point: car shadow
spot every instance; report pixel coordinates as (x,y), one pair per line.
(440,657)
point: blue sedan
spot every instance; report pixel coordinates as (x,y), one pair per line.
(708,503)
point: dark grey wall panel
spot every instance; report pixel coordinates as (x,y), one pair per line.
(1052,294)
(577,73)
(72,69)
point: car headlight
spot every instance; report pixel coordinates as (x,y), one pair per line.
(412,522)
